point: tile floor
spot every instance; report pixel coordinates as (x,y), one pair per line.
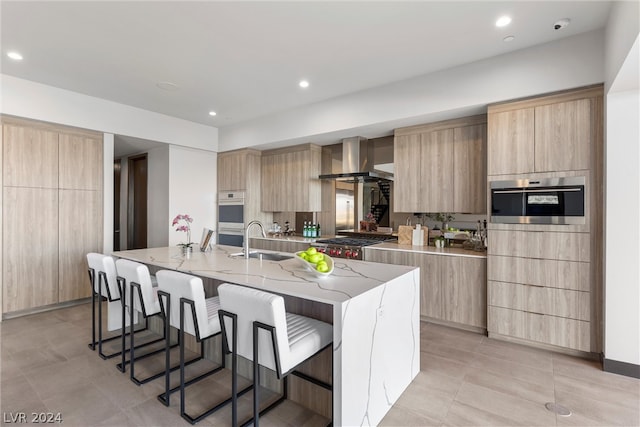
(466,379)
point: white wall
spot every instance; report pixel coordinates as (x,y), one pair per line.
(622,297)
(24,98)
(622,186)
(158,197)
(107,226)
(192,190)
(571,62)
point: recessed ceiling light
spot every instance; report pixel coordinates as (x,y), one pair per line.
(508,39)
(303,83)
(503,21)
(15,56)
(212,113)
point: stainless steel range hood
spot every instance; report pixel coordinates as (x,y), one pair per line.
(357,163)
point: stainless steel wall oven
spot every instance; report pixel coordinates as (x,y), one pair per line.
(231,218)
(539,201)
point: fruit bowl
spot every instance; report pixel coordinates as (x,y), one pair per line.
(312,267)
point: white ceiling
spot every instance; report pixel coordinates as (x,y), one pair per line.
(244,59)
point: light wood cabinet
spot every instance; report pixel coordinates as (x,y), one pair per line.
(30,157)
(540,244)
(30,247)
(240,170)
(408,182)
(80,162)
(465,291)
(563,136)
(544,276)
(544,134)
(469,169)
(52,212)
(437,171)
(452,288)
(288,246)
(80,232)
(450,158)
(510,141)
(290,179)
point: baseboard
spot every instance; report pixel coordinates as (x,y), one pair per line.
(621,368)
(42,309)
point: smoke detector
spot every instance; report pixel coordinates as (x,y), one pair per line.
(561,23)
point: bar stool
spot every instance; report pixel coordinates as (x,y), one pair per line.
(182,299)
(139,296)
(103,279)
(262,331)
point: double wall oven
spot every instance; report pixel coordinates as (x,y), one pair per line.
(231,218)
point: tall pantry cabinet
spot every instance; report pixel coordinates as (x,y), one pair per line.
(544,282)
(51,212)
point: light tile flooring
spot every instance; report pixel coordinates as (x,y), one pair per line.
(466,379)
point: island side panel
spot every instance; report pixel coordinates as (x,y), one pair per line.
(377,351)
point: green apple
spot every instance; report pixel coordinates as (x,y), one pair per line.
(303,255)
(315,258)
(322,267)
(311,251)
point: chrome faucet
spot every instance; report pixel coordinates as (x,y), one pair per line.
(246,236)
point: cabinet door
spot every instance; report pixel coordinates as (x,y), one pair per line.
(563,136)
(30,157)
(80,162)
(408,185)
(30,248)
(290,181)
(431,285)
(80,231)
(511,142)
(470,169)
(539,272)
(232,171)
(437,171)
(464,290)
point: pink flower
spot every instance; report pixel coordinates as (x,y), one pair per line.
(186,227)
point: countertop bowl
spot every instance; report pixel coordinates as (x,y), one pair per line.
(312,267)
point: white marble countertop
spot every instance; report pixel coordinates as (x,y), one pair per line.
(289,277)
(431,250)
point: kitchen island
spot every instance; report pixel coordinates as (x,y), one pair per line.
(375,316)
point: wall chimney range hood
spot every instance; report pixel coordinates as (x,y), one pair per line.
(357,163)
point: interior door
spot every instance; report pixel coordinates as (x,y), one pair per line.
(137,203)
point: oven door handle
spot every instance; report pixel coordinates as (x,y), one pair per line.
(551,190)
(231,231)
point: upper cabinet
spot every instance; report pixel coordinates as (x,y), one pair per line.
(79,155)
(30,156)
(290,179)
(545,134)
(238,170)
(511,135)
(441,167)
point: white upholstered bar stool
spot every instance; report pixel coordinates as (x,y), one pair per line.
(182,296)
(139,296)
(269,336)
(103,280)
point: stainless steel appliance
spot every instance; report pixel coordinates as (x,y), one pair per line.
(538,201)
(348,247)
(231,218)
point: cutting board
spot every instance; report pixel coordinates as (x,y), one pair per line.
(405,235)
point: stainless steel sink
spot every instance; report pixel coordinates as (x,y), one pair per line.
(268,256)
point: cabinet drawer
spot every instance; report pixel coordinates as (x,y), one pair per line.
(538,299)
(569,333)
(541,272)
(540,244)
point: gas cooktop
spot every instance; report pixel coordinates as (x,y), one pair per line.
(348,247)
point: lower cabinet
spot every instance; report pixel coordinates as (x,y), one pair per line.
(452,288)
(289,246)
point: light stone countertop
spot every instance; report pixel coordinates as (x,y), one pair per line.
(289,277)
(431,250)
